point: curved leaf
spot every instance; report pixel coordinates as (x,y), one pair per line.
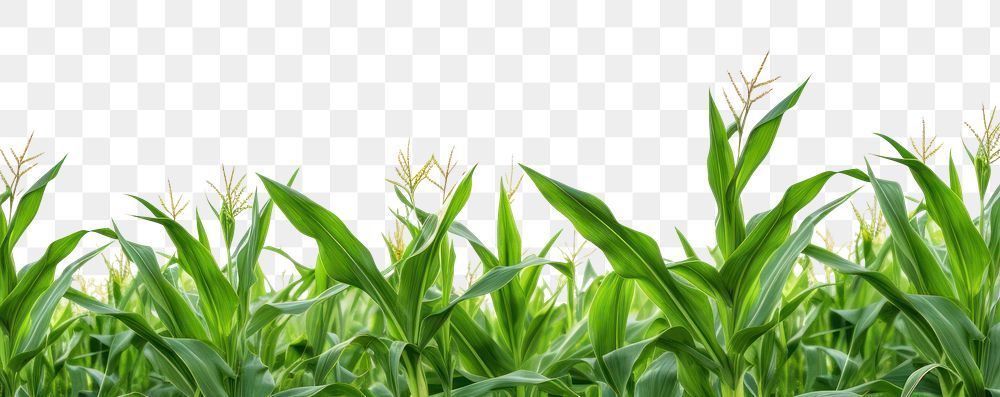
(633,255)
(343,256)
(331,390)
(912,253)
(511,380)
(489,282)
(268,312)
(29,343)
(172,308)
(967,251)
(607,320)
(34,280)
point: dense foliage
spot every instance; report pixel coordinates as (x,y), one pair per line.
(909,308)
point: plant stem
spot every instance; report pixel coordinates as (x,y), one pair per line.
(415,379)
(571,298)
(735,391)
(230,272)
(982,215)
(6,383)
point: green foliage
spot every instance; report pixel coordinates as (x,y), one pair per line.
(909,308)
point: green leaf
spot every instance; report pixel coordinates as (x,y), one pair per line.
(489,282)
(869,388)
(775,272)
(118,344)
(953,329)
(143,330)
(967,251)
(633,255)
(704,277)
(993,217)
(529,279)
(331,390)
(27,208)
(343,256)
(202,234)
(729,230)
(889,289)
(254,379)
(695,365)
(247,256)
(510,301)
(748,335)
(479,353)
(33,282)
(910,250)
(759,141)
(984,170)
(217,298)
(209,370)
(268,312)
(172,308)
(991,363)
(743,268)
(420,268)
(511,380)
(482,251)
(54,335)
(688,249)
(607,319)
(935,316)
(540,327)
(660,379)
(916,377)
(953,179)
(30,342)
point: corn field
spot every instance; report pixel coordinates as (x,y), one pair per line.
(909,308)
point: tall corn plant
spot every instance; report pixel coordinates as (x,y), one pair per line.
(950,260)
(29,297)
(716,312)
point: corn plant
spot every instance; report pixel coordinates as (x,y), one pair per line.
(29,297)
(412,294)
(908,307)
(716,313)
(949,259)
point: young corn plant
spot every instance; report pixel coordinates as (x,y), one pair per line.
(716,314)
